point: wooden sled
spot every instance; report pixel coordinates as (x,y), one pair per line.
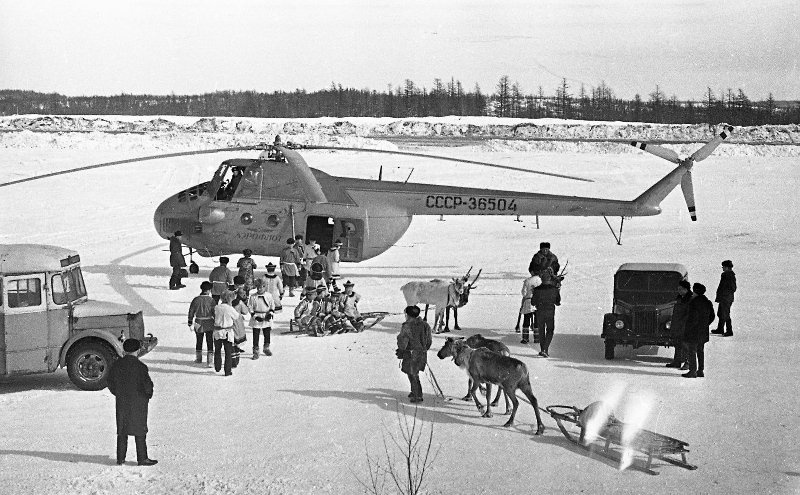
(370,320)
(652,445)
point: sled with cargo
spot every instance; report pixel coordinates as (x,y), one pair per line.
(610,442)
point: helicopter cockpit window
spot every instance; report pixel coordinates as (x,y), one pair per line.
(231,176)
(249,184)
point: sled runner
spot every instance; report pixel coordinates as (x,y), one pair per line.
(652,445)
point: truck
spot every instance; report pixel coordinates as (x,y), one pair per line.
(641,313)
(48,321)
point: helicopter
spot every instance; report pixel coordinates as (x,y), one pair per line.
(259,203)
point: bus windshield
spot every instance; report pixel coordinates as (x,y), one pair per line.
(68,286)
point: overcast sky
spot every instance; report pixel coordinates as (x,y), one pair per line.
(188,47)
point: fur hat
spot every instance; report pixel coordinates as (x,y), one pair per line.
(412,311)
(270,266)
(238,280)
(224,260)
(131,345)
(206,285)
(699,288)
(290,241)
(543,245)
(178,233)
(685,284)
(728,263)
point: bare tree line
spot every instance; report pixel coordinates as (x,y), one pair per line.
(411,100)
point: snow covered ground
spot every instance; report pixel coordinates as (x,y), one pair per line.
(303,420)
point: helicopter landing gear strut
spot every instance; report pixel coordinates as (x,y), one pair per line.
(616,238)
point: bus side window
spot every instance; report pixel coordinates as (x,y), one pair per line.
(24,293)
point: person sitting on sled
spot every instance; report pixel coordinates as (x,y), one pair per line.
(350,301)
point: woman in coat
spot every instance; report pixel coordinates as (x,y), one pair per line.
(246,267)
(699,316)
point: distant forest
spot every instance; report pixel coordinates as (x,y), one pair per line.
(411,100)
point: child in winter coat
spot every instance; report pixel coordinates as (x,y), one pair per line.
(526,308)
(263,306)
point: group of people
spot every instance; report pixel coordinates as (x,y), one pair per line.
(325,312)
(217,315)
(692,315)
(307,265)
(541,293)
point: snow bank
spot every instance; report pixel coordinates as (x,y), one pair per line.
(491,134)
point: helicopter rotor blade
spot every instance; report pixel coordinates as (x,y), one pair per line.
(446,158)
(130,160)
(688,194)
(659,151)
(710,146)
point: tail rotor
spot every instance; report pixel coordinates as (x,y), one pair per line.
(701,154)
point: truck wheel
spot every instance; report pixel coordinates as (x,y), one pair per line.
(89,364)
(610,348)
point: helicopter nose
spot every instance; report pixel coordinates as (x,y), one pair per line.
(173,214)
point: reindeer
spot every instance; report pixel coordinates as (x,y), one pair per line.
(477,341)
(438,293)
(489,367)
(462,300)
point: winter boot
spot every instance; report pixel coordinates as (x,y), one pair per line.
(267,352)
(198,356)
(255,353)
(209,359)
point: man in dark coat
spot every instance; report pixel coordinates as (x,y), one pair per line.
(129,381)
(413,343)
(544,261)
(678,323)
(725,290)
(176,260)
(546,297)
(699,316)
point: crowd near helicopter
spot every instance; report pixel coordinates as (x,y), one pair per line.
(258,203)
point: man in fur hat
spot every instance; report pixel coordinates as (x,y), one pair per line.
(350,302)
(544,260)
(413,343)
(129,381)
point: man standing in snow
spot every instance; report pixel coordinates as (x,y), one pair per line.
(543,260)
(289,261)
(725,290)
(129,381)
(699,316)
(221,277)
(412,347)
(176,260)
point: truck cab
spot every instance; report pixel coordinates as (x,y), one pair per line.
(644,296)
(47,320)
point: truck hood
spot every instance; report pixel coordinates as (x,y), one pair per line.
(102,308)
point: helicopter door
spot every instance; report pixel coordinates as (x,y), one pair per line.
(320,229)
